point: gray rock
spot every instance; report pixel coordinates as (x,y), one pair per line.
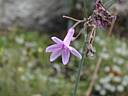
(35,14)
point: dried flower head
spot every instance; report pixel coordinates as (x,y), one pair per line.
(101,16)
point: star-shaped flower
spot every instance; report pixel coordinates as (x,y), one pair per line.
(63,48)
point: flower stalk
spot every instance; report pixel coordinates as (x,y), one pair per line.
(79,69)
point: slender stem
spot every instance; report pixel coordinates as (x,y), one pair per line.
(76,20)
(79,70)
(71,18)
(83,57)
(94,77)
(111,28)
(77,36)
(77,23)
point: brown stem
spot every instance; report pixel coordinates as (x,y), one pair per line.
(111,28)
(113,23)
(94,77)
(71,18)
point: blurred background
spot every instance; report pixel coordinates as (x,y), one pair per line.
(25,30)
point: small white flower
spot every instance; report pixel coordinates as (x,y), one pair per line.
(112,89)
(126,78)
(105,80)
(107,69)
(124,83)
(98,87)
(120,88)
(117,79)
(103,92)
(116,68)
(104,55)
(107,86)
(19,40)
(120,61)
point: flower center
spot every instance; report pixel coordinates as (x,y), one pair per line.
(64,47)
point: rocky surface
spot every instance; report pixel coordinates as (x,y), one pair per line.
(34,14)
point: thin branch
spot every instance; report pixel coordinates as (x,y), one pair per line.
(74,38)
(71,18)
(111,28)
(94,77)
(74,19)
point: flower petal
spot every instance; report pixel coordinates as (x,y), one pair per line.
(56,40)
(55,55)
(69,36)
(75,52)
(65,56)
(52,48)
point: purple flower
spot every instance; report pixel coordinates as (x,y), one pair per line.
(63,48)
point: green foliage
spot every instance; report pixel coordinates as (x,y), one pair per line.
(25,69)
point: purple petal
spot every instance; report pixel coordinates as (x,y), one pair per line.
(69,36)
(52,48)
(56,40)
(65,56)
(75,52)
(55,55)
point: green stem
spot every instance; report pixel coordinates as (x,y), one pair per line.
(79,70)
(83,57)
